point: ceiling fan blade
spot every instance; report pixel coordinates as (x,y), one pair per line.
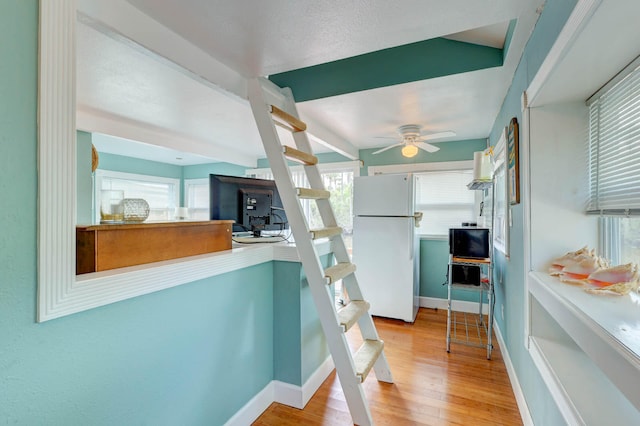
(437,135)
(427,147)
(389,147)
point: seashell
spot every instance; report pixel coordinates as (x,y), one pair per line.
(614,275)
(618,289)
(583,267)
(571,258)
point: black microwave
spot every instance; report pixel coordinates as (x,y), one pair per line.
(471,242)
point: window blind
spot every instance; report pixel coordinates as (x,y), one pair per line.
(614,148)
(444,199)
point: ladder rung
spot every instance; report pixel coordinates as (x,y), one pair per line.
(300,156)
(313,194)
(339,271)
(325,232)
(350,314)
(296,124)
(366,356)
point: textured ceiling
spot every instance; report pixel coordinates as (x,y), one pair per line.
(138,75)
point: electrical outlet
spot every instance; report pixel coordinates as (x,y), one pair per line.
(502,311)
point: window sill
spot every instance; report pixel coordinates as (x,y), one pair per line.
(434,237)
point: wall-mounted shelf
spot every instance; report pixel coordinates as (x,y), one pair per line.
(479,184)
(592,364)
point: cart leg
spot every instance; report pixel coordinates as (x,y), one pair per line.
(490,297)
(449,308)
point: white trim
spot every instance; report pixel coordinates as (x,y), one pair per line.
(434,237)
(56,155)
(525,187)
(287,394)
(196,181)
(298,396)
(92,290)
(420,167)
(525,415)
(554,386)
(254,408)
(316,380)
(580,15)
(282,393)
(456,305)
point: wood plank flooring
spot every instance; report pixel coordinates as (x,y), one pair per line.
(432,387)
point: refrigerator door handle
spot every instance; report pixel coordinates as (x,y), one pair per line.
(412,233)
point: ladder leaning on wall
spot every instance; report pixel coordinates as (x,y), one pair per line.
(272,105)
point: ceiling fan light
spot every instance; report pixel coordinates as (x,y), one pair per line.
(409,151)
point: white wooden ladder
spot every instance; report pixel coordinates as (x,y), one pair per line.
(272,105)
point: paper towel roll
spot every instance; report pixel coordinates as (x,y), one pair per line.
(477,164)
(482,165)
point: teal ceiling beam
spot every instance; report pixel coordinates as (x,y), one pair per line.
(397,65)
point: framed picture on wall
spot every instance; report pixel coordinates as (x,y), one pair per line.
(513,162)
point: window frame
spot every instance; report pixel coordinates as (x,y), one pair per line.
(101,174)
(194,182)
(334,167)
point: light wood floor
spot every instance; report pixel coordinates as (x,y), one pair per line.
(432,387)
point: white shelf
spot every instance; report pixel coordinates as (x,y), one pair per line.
(585,394)
(478,184)
(605,347)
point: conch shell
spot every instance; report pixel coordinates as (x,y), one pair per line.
(619,289)
(582,268)
(617,274)
(575,266)
(571,258)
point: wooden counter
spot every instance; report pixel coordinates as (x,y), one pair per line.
(104,247)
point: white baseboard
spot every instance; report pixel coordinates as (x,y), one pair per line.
(515,384)
(456,305)
(283,393)
(252,409)
(298,396)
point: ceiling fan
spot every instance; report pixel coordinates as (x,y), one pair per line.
(412,139)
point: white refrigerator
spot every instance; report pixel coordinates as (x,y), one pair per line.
(386,244)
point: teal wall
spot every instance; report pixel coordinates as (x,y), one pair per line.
(299,343)
(510,291)
(124,164)
(172,357)
(434,264)
(449,151)
(203,170)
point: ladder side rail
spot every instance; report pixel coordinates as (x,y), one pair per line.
(273,95)
(315,181)
(301,140)
(365,323)
(336,340)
